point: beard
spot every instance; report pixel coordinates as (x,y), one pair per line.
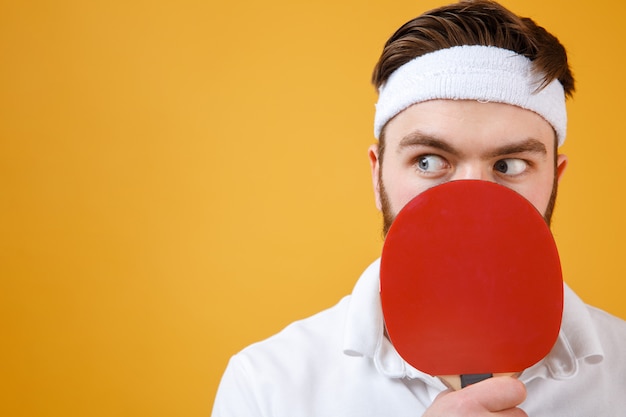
(389,216)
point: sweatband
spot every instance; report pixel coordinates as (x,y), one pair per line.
(471,72)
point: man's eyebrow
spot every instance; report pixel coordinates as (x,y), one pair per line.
(418,138)
(528,145)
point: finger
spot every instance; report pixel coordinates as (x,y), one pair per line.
(512,412)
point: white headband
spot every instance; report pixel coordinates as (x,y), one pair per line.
(471,72)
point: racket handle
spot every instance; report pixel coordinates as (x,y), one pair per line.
(473,378)
(456,382)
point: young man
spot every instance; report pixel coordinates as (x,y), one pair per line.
(467,91)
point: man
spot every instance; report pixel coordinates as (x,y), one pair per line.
(467,91)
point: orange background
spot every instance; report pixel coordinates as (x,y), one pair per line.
(179,179)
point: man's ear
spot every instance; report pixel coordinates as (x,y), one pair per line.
(375,167)
(561,164)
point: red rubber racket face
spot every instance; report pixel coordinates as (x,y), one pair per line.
(471,281)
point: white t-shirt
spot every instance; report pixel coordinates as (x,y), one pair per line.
(338,363)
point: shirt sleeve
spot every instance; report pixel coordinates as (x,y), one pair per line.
(237,394)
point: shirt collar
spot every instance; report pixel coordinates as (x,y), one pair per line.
(364,336)
(578,342)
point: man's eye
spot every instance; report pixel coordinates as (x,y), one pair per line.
(431,163)
(510,166)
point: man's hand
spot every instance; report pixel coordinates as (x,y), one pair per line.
(497,396)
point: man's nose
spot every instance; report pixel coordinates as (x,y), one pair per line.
(474,172)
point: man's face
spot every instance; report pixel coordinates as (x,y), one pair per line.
(444,140)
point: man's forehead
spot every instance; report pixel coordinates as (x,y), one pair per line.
(447,124)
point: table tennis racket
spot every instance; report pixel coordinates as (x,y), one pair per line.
(471,282)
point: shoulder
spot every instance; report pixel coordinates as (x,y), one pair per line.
(275,376)
(610,328)
(285,369)
(320,335)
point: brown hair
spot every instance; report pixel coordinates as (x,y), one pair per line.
(476,22)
